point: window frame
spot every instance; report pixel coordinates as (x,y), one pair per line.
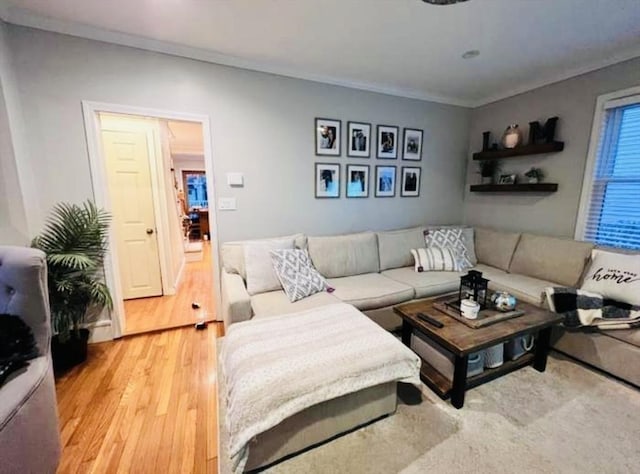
(603,100)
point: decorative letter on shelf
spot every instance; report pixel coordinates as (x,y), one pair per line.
(544,134)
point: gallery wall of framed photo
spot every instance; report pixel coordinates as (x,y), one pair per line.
(332,179)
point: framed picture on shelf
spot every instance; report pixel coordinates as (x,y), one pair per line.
(410,186)
(357,181)
(327,180)
(385,181)
(507,179)
(328,133)
(359,136)
(412,144)
(387,142)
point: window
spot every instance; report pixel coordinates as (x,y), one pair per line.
(610,208)
(195,189)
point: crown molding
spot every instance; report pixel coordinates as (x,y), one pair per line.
(618,57)
(22,17)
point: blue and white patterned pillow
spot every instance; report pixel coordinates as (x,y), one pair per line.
(296,273)
(453,238)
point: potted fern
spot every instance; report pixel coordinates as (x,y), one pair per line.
(75,243)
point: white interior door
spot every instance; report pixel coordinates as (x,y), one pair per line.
(127,148)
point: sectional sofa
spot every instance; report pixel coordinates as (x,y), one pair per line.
(29,432)
(374,271)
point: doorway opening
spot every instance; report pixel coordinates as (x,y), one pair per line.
(156,185)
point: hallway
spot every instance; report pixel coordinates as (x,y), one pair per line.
(164,312)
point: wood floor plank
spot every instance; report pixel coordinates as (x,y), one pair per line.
(143,404)
(165,312)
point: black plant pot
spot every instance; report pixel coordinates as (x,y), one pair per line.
(69,353)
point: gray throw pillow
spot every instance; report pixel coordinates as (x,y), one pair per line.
(453,238)
(297,274)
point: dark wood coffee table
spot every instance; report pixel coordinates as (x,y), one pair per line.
(462,340)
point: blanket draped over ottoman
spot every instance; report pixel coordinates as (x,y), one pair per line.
(278,366)
(584,308)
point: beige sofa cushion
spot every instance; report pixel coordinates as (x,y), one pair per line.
(274,303)
(345,255)
(261,276)
(232,253)
(631,336)
(524,288)
(495,247)
(395,246)
(551,258)
(370,291)
(426,284)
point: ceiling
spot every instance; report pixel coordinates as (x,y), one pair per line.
(186,139)
(402,47)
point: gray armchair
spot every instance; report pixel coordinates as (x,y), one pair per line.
(29,435)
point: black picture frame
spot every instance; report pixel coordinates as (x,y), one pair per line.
(385,194)
(382,137)
(334,126)
(351,146)
(350,190)
(406,185)
(408,141)
(318,178)
(507,179)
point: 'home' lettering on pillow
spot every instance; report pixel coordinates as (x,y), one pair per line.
(617,276)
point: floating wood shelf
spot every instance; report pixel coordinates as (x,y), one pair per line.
(515,188)
(524,150)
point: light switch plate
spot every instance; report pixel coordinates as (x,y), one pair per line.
(227,204)
(235,179)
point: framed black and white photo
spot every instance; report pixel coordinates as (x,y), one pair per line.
(410,186)
(387,142)
(507,179)
(327,180)
(385,181)
(359,136)
(412,144)
(357,181)
(328,133)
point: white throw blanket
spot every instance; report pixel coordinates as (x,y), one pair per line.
(278,366)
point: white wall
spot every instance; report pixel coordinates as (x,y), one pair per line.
(574,102)
(261,124)
(13,221)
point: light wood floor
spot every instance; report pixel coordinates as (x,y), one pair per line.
(142,404)
(196,285)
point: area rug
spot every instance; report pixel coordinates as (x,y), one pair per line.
(568,420)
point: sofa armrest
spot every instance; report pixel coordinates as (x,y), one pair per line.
(236,302)
(23,290)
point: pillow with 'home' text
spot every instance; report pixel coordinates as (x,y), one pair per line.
(615,276)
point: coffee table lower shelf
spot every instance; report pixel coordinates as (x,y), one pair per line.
(443,386)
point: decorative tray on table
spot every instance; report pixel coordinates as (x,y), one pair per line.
(450,305)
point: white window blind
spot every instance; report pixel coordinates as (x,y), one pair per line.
(614,206)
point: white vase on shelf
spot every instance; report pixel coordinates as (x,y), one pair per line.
(512,136)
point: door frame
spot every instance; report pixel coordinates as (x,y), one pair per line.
(97,164)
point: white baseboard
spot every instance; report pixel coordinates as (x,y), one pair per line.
(101,331)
